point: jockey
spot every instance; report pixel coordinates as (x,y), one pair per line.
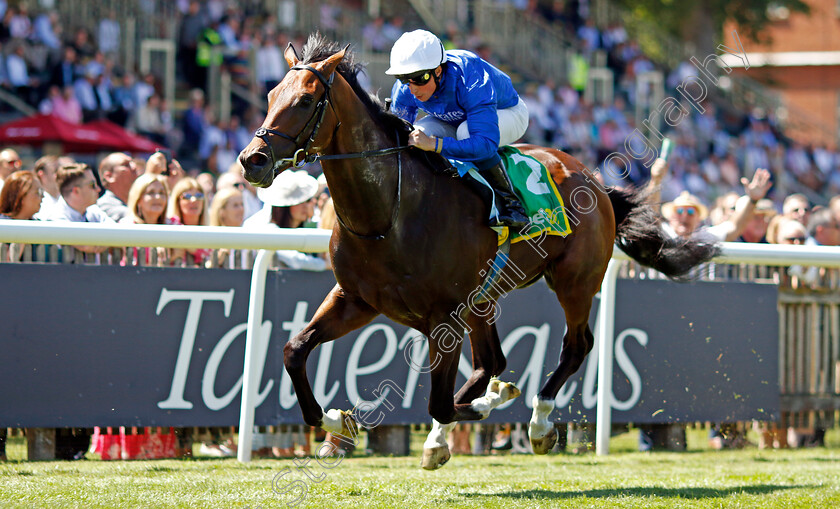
(472,109)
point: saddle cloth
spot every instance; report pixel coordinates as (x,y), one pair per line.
(535,189)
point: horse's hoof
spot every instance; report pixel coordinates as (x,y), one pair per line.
(349,428)
(435,457)
(512,391)
(340,422)
(544,444)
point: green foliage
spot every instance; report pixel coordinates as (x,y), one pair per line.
(678,17)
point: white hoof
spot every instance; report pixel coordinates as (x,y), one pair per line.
(544,444)
(498,393)
(541,431)
(340,422)
(435,457)
(508,391)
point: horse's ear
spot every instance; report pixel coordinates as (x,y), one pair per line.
(328,66)
(291,56)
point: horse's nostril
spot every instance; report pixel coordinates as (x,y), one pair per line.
(254,161)
(258,160)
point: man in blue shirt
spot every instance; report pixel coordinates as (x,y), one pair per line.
(472,109)
(79,188)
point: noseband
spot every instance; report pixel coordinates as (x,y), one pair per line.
(301,155)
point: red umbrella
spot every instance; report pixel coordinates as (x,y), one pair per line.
(121,139)
(40,129)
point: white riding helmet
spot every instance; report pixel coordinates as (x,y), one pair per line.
(416,51)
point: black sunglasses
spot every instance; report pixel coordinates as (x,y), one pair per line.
(418,78)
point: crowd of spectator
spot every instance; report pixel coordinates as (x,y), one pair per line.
(158,191)
(77,75)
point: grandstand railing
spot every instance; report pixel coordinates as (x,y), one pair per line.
(136,23)
(524,41)
(436,13)
(527,43)
(809,314)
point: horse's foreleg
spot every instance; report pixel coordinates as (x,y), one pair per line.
(483,391)
(436,448)
(339,314)
(444,354)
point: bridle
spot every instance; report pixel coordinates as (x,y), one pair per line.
(302,156)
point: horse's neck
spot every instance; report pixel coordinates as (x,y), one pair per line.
(364,190)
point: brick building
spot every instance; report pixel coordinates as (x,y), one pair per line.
(802,61)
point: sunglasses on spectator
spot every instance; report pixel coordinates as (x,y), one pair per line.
(239,185)
(190,196)
(800,240)
(800,209)
(418,78)
(15,162)
(686,210)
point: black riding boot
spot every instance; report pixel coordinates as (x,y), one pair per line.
(511,212)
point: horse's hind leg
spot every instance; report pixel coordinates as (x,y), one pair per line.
(578,341)
(339,314)
(488,360)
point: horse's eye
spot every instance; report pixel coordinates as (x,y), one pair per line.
(306,101)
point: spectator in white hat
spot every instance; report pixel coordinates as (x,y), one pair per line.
(290,203)
(686,213)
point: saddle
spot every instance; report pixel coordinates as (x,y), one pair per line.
(532,184)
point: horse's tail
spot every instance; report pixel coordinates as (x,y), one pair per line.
(639,233)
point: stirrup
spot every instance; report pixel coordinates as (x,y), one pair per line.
(510,216)
(515,216)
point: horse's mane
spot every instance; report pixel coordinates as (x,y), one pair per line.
(318,48)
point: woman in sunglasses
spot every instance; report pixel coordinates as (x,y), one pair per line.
(472,109)
(187,206)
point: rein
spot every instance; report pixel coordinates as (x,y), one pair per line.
(395,212)
(302,155)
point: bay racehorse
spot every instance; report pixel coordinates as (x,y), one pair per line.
(412,244)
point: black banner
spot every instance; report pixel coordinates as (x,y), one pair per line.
(111,346)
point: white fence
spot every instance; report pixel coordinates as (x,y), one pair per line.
(732,252)
(313,240)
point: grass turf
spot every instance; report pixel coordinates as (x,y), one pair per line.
(698,478)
